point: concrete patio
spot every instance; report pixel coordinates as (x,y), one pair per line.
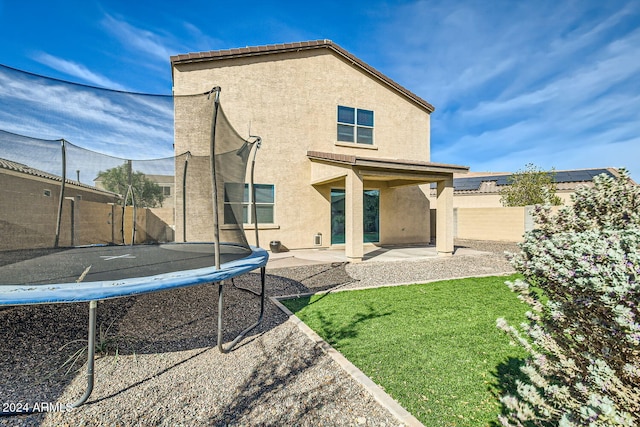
(372,253)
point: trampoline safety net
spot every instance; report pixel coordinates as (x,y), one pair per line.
(58,193)
(90,211)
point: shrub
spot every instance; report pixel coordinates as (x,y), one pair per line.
(529,187)
(581,268)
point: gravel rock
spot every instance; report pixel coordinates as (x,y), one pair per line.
(160,365)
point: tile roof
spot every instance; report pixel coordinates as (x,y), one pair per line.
(473,183)
(19,167)
(28,170)
(296,47)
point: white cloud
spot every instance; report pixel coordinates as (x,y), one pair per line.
(153,45)
(546,82)
(616,63)
(116,123)
(77,70)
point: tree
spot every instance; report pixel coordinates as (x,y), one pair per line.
(581,271)
(531,186)
(147,193)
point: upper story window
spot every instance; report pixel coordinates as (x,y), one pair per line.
(355,125)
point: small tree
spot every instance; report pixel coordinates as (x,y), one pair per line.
(531,186)
(147,193)
(582,281)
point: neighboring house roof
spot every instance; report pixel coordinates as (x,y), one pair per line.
(296,47)
(567,179)
(27,170)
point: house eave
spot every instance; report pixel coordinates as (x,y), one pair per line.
(393,172)
(248,51)
(364,163)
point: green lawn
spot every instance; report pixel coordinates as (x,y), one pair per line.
(433,347)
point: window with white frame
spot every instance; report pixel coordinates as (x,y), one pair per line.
(265,203)
(355,125)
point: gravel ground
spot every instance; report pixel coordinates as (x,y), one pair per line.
(160,366)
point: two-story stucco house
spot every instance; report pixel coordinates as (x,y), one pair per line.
(345,158)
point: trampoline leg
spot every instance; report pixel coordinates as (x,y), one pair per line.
(91,348)
(237,339)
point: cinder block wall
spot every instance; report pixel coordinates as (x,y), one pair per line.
(28,216)
(500,224)
(506,224)
(95,222)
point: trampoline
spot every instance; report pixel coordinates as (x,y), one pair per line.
(117,271)
(36,274)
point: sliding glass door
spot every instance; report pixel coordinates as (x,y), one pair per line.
(371,216)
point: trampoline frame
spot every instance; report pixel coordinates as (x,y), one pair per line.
(222,347)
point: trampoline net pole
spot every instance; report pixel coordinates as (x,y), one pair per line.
(214,180)
(131,191)
(124,213)
(61,201)
(184,197)
(133,214)
(254,207)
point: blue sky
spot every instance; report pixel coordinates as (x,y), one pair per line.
(550,82)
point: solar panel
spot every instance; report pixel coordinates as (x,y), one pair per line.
(503,180)
(474,183)
(466,184)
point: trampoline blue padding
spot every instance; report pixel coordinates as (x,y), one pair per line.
(117,271)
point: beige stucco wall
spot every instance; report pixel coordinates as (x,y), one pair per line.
(404,215)
(290,100)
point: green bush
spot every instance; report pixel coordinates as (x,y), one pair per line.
(529,187)
(581,268)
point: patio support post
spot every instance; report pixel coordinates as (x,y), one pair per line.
(444,217)
(354,228)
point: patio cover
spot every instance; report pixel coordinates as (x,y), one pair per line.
(354,170)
